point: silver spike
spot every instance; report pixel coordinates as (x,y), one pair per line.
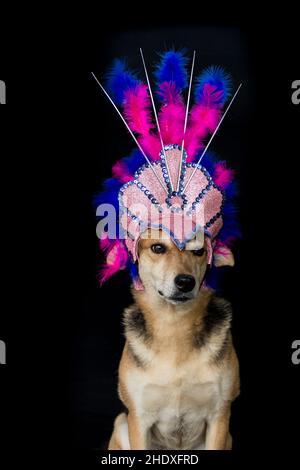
(156,118)
(131,133)
(186,117)
(216,130)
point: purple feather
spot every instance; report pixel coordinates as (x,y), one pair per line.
(213,87)
(172,68)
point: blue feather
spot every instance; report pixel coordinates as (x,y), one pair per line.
(172,68)
(215,278)
(231,191)
(217,77)
(109,194)
(133,269)
(231,228)
(134,161)
(208,161)
(212,278)
(112,186)
(119,79)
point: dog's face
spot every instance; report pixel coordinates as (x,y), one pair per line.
(169,273)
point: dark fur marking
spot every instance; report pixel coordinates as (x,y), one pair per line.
(219,356)
(138,361)
(135,322)
(218,313)
(199,339)
(217,316)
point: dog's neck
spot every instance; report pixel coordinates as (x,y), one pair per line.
(167,319)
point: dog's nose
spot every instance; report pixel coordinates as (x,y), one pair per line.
(185,282)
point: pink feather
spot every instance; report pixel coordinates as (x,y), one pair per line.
(151,146)
(222,248)
(137,109)
(172,114)
(119,171)
(168,93)
(105,243)
(211,96)
(222,176)
(137,112)
(171,120)
(116,256)
(203,120)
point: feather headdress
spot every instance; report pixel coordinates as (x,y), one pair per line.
(179,180)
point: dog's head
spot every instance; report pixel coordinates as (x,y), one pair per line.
(173,275)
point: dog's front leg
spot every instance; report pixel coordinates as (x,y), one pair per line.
(137,432)
(217,433)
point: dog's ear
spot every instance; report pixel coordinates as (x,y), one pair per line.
(223,256)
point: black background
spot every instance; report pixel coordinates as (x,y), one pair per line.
(60,137)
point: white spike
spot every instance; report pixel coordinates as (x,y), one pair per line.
(131,133)
(156,118)
(186,117)
(208,144)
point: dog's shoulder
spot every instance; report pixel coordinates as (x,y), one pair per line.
(214,330)
(135,323)
(218,314)
(138,337)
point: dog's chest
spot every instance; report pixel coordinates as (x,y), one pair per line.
(178,407)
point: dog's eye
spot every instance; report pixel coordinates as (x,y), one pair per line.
(158,248)
(199,252)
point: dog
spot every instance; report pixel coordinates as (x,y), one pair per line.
(179,371)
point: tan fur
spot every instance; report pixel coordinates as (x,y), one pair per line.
(177,395)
